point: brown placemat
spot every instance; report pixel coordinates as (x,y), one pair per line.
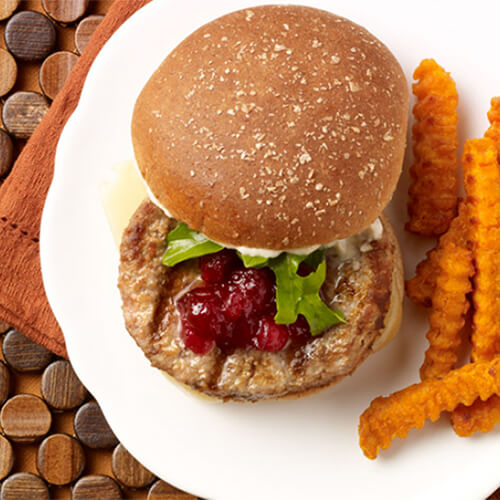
(33,380)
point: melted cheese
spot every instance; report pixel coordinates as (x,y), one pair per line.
(121,194)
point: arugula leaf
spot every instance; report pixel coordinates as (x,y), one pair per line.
(294,294)
(184,243)
(314,259)
(253,261)
(300,295)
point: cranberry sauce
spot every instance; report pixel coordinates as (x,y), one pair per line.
(235,308)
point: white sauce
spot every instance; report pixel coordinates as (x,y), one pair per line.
(127,188)
(344,249)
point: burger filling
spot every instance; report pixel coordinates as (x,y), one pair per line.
(248,301)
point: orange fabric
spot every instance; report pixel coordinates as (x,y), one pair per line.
(23,303)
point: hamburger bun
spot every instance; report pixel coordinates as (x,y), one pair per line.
(276,127)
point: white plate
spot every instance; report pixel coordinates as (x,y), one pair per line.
(274,450)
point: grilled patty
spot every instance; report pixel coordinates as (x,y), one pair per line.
(361,287)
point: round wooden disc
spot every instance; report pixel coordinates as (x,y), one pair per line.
(8,72)
(30,36)
(60,459)
(164,491)
(128,470)
(7,7)
(3,325)
(4,382)
(85,30)
(24,486)
(65,11)
(22,112)
(25,418)
(6,457)
(6,159)
(96,486)
(91,427)
(24,355)
(60,386)
(54,71)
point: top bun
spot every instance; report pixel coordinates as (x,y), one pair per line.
(276,127)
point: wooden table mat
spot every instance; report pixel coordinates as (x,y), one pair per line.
(54,442)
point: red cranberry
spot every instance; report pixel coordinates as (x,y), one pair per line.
(197,344)
(300,330)
(304,269)
(244,331)
(235,309)
(251,291)
(202,310)
(217,267)
(270,336)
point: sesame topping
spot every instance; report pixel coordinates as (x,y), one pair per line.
(290,113)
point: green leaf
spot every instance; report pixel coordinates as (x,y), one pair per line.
(294,294)
(314,259)
(184,243)
(253,261)
(300,294)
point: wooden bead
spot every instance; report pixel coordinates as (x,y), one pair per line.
(4,382)
(7,7)
(128,470)
(85,30)
(96,486)
(91,427)
(6,159)
(60,386)
(24,355)
(54,71)
(65,11)
(3,326)
(30,36)
(6,457)
(22,112)
(24,486)
(164,491)
(25,418)
(60,459)
(8,72)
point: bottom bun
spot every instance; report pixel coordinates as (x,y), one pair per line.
(367,288)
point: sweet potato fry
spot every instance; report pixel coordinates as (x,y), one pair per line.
(482,185)
(480,416)
(394,416)
(493,131)
(433,191)
(421,287)
(449,307)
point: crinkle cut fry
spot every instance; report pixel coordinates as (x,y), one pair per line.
(482,181)
(493,131)
(482,185)
(480,416)
(449,307)
(420,288)
(394,416)
(433,190)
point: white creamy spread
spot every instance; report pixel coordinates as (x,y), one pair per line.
(344,249)
(123,193)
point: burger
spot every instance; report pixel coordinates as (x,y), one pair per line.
(261,265)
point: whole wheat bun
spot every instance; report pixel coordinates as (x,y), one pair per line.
(276,127)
